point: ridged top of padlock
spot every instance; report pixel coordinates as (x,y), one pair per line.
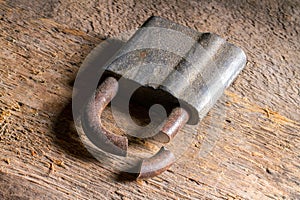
(195,68)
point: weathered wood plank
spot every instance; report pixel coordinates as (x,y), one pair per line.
(255,153)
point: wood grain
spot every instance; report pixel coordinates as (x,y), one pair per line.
(248,147)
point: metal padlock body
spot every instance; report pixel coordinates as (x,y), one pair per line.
(194,68)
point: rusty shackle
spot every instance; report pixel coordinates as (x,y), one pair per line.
(116,144)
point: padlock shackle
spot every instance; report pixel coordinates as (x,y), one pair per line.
(91,120)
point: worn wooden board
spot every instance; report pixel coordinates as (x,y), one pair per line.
(255,153)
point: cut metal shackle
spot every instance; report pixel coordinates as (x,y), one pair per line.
(91,120)
(117,144)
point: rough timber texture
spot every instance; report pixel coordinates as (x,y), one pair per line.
(255,155)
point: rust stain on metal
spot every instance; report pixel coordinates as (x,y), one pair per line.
(176,120)
(156,164)
(92,125)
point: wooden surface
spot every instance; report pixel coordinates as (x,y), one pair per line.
(255,153)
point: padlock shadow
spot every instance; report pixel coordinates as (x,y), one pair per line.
(66,134)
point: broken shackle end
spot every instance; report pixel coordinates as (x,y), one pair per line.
(164,158)
(176,121)
(156,164)
(91,120)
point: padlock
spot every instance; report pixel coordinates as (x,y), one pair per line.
(184,70)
